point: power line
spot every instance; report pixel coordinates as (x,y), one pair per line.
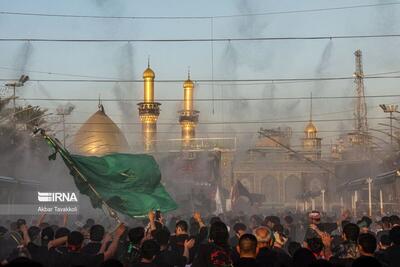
(112,78)
(198,17)
(270,80)
(238,39)
(201,99)
(55,73)
(229,122)
(215,132)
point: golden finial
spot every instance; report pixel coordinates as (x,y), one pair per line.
(100,105)
(311,106)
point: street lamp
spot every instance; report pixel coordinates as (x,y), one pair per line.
(22,80)
(63,110)
(390,109)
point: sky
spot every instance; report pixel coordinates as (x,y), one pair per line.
(222,60)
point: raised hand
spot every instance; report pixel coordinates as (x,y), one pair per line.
(189,243)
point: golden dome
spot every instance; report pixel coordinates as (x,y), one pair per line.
(148,73)
(99,135)
(310,131)
(188,83)
(310,128)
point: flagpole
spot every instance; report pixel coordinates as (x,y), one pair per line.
(58,148)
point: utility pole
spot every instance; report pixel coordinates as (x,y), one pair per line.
(390,109)
(369,181)
(22,80)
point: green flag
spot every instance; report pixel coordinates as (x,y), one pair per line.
(128,183)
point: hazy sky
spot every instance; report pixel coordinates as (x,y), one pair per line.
(232,60)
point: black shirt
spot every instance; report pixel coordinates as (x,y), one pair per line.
(267,257)
(70,259)
(283,259)
(247,262)
(274,257)
(393,256)
(177,243)
(142,264)
(170,258)
(338,262)
(210,255)
(38,253)
(92,248)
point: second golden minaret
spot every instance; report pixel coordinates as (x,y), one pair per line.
(149,110)
(188,117)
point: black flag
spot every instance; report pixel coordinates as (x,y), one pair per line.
(239,190)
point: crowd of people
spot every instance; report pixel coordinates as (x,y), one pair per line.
(287,240)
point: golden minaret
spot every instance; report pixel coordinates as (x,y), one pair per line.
(188,117)
(311,143)
(149,111)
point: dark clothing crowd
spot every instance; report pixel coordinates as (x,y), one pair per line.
(287,240)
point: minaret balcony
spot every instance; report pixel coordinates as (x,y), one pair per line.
(188,116)
(152,108)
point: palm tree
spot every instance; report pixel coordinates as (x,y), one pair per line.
(29,116)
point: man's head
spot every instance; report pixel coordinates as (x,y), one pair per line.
(97,232)
(385,242)
(394,235)
(248,246)
(351,232)
(62,231)
(20,222)
(44,225)
(314,217)
(215,219)
(256,220)
(271,221)
(394,220)
(75,241)
(344,223)
(181,227)
(367,244)
(239,229)
(364,224)
(136,235)
(367,220)
(385,221)
(219,233)
(47,235)
(288,219)
(149,250)
(90,222)
(162,237)
(264,236)
(34,233)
